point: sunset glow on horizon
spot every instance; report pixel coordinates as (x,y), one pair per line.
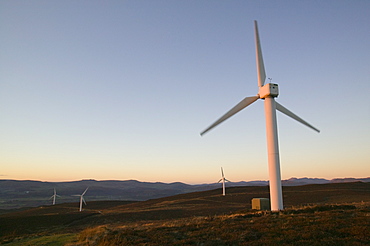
(121,90)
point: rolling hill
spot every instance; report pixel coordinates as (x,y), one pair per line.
(65,218)
(16,194)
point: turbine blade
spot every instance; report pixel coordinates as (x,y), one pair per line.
(259,59)
(222,171)
(84,200)
(219,181)
(289,113)
(85,191)
(244,103)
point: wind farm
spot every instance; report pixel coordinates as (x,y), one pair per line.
(101,105)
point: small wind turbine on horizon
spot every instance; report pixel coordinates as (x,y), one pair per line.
(54,196)
(82,198)
(267,93)
(223,179)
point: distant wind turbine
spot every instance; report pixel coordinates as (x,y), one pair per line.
(82,198)
(223,179)
(54,196)
(267,93)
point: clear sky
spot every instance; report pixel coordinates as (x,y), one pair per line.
(121,89)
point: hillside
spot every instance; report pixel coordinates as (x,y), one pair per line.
(18,194)
(65,218)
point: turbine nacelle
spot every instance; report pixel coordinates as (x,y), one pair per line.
(268,90)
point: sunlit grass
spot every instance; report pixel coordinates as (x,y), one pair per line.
(313,225)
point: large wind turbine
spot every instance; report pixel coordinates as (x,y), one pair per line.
(54,196)
(223,179)
(82,198)
(266,92)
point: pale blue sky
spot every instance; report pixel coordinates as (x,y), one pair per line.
(122,89)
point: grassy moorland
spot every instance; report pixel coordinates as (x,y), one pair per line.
(330,214)
(314,225)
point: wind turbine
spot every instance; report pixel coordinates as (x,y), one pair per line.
(267,93)
(82,198)
(223,179)
(54,196)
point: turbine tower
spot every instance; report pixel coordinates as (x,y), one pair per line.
(223,179)
(82,198)
(54,196)
(267,93)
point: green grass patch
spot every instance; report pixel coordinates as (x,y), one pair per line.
(53,240)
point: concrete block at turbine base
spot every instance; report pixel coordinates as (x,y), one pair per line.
(261,204)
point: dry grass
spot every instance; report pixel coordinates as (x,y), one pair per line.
(203,218)
(313,225)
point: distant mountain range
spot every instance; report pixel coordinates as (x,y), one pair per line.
(27,193)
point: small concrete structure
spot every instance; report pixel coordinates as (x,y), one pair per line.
(261,204)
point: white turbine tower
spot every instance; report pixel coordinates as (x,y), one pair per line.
(54,196)
(82,198)
(223,179)
(267,92)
